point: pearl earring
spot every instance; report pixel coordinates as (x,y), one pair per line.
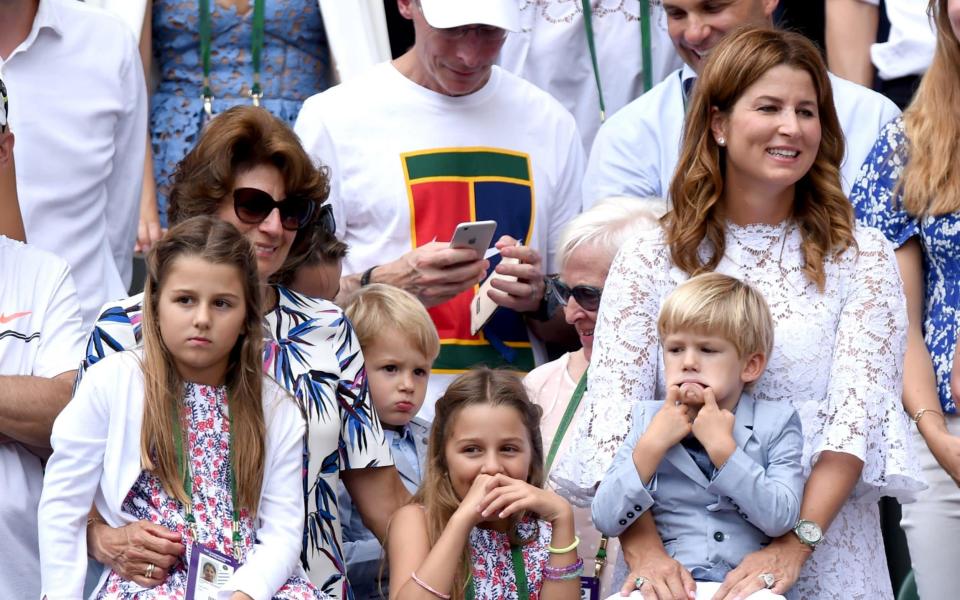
(721,141)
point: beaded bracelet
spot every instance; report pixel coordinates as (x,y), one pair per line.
(552,550)
(425,586)
(573,571)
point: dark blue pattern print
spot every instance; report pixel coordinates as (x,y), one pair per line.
(877,204)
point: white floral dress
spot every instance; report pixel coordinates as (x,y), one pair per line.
(837,358)
(207,441)
(492,562)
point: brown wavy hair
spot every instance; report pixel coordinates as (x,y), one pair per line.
(220,243)
(236,141)
(820,209)
(930,182)
(493,387)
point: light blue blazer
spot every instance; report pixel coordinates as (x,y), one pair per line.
(709,525)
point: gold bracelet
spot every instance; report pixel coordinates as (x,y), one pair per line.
(573,546)
(923,411)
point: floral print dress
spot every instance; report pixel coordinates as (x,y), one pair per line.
(208,443)
(492,563)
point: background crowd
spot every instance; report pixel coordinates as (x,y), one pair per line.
(237,349)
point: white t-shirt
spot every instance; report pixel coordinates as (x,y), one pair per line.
(79,111)
(910,45)
(636,151)
(40,335)
(551,52)
(409,164)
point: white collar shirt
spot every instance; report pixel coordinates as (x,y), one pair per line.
(909,48)
(636,150)
(78,107)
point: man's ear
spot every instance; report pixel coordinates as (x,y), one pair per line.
(718,124)
(406,8)
(753,367)
(768,7)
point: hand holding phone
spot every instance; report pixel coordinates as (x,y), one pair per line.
(476,235)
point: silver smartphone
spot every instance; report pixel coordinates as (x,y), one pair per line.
(476,235)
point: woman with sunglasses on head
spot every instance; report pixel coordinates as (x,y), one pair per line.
(249,169)
(757,195)
(588,244)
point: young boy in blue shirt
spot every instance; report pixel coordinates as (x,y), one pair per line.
(399,343)
(720,472)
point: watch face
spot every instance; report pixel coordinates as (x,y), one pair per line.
(809,531)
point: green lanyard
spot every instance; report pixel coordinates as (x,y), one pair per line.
(645,52)
(601,558)
(566,420)
(519,574)
(256,49)
(184,463)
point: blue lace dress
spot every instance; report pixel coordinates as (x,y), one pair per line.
(295,64)
(207,442)
(876,205)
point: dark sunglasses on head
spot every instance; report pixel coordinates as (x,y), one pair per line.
(587,296)
(325,217)
(253,206)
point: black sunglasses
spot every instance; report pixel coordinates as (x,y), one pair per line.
(253,206)
(325,218)
(587,296)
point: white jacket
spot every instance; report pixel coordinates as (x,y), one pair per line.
(96,460)
(356,30)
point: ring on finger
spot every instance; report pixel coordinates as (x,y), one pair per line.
(639,581)
(768,579)
(149,572)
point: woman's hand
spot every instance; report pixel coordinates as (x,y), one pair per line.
(508,496)
(664,578)
(783,559)
(131,549)
(946,449)
(240,596)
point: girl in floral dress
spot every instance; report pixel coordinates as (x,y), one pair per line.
(186,433)
(481,525)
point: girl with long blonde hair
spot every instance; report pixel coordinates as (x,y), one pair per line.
(482,526)
(757,195)
(187,433)
(909,188)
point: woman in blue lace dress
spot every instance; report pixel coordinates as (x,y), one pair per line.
(294,65)
(909,188)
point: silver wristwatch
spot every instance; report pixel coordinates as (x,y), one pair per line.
(808,532)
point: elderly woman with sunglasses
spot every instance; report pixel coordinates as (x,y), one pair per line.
(588,245)
(250,170)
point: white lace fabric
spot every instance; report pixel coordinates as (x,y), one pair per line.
(837,358)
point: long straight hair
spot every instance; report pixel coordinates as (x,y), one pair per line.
(220,243)
(820,207)
(930,182)
(492,387)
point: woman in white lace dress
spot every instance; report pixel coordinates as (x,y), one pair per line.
(758,197)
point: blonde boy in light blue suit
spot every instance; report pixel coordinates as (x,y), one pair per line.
(720,472)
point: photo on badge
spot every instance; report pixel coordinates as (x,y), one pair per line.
(208,572)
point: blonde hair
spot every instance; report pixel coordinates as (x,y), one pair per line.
(378,307)
(722,306)
(493,387)
(609,224)
(930,182)
(820,208)
(218,242)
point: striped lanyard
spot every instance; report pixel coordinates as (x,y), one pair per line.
(256,49)
(645,52)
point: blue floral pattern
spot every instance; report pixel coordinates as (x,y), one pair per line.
(294,65)
(878,204)
(312,351)
(207,442)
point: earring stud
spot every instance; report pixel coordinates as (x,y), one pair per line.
(722,141)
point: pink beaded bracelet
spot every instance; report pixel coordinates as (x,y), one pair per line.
(425,586)
(564,573)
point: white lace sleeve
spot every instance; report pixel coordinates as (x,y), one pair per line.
(864,415)
(623,368)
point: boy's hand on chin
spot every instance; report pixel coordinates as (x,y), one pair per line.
(672,422)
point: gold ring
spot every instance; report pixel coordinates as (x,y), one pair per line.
(150,568)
